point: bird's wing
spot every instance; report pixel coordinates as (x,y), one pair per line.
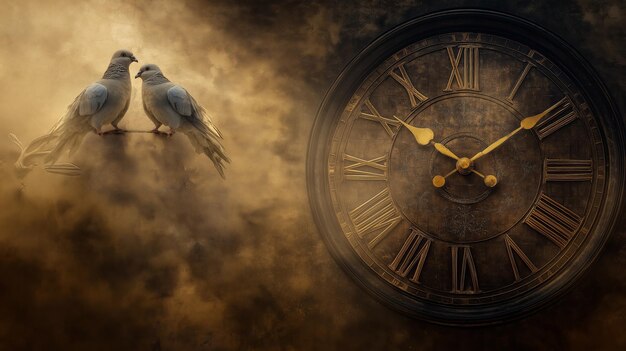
(187,107)
(180,100)
(201,114)
(203,134)
(92,99)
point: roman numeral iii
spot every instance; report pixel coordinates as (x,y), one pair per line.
(465,68)
(378,214)
(559,170)
(412,255)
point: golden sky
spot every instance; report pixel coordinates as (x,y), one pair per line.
(150,249)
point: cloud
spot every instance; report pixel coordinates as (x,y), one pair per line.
(150,249)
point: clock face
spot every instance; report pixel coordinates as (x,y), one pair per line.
(465,175)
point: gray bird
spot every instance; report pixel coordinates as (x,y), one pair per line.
(169,104)
(103,102)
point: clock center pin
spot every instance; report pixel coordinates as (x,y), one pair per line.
(464,166)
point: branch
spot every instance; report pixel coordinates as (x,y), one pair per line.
(124,131)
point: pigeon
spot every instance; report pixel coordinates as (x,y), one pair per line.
(170,104)
(101,103)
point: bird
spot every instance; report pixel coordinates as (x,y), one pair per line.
(169,104)
(101,103)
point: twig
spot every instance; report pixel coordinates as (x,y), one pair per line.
(133,131)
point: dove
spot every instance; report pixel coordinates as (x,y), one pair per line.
(171,105)
(101,103)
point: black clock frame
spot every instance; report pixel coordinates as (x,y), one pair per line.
(465,20)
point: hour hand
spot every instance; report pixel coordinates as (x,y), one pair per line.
(424,136)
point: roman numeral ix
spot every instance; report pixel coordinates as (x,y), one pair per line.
(359,169)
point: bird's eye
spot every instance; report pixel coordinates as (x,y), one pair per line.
(147,68)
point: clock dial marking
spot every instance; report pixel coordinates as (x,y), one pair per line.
(561,114)
(519,82)
(412,255)
(377,213)
(405,81)
(565,170)
(468,79)
(461,282)
(375,116)
(555,221)
(360,169)
(511,248)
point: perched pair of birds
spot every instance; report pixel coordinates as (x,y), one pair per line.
(106,102)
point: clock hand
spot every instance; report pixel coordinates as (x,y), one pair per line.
(526,123)
(424,136)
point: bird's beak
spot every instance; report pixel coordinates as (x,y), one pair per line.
(133,59)
(138,74)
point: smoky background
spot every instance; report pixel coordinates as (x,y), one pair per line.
(150,250)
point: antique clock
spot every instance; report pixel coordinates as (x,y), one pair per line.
(466,167)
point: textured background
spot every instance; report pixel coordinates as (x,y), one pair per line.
(150,250)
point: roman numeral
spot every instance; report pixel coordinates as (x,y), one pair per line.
(405,81)
(512,249)
(373,115)
(376,214)
(561,114)
(468,77)
(412,255)
(559,170)
(555,221)
(359,169)
(519,82)
(464,277)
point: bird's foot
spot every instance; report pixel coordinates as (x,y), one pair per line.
(157,131)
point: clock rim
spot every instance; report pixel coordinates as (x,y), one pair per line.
(465,20)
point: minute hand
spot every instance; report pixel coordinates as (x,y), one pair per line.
(526,123)
(424,136)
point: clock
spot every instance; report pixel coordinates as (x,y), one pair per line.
(466,167)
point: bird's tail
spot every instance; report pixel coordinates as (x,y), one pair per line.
(46,150)
(65,135)
(67,141)
(206,139)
